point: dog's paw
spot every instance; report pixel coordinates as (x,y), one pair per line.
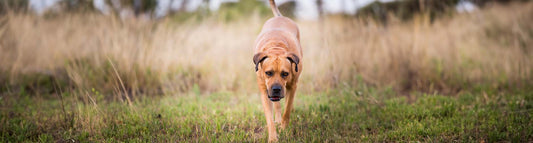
(273,139)
(284,124)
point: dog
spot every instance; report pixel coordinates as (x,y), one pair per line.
(277,59)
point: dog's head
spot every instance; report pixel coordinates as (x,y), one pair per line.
(276,71)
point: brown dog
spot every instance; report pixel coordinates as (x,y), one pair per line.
(278,65)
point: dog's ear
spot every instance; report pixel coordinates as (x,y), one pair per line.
(294,59)
(258,58)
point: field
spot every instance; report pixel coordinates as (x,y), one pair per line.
(347,115)
(90,78)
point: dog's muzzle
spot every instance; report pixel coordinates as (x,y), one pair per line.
(276,93)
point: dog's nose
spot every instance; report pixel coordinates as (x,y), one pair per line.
(276,89)
(276,93)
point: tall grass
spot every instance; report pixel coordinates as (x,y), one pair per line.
(126,58)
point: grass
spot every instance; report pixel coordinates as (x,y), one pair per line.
(344,115)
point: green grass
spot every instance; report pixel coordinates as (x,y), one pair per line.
(343,115)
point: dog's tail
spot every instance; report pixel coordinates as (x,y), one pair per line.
(274,8)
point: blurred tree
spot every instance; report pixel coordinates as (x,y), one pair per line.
(230,9)
(13,5)
(78,5)
(287,8)
(407,9)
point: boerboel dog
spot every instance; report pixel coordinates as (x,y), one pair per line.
(278,65)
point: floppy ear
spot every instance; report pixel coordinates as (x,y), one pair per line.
(294,59)
(258,58)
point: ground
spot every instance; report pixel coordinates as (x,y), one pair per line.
(343,115)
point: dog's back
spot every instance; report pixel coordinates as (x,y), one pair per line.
(281,23)
(279,29)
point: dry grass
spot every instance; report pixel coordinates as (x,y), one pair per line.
(491,47)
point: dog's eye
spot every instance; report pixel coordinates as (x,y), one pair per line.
(284,74)
(269,73)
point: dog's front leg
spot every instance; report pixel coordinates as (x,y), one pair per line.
(277,111)
(288,107)
(267,107)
